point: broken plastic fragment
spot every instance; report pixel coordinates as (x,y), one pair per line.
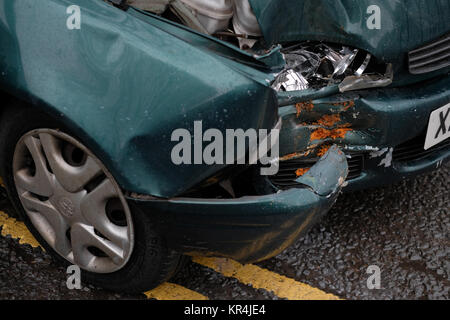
(341,61)
(363,66)
(387,161)
(303,61)
(378,153)
(367,81)
(290,80)
(319,64)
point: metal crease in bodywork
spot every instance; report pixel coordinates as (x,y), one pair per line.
(316,179)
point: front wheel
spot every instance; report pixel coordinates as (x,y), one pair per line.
(74,207)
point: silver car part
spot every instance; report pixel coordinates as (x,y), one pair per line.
(289,80)
(363,66)
(318,65)
(73,201)
(343,61)
(367,81)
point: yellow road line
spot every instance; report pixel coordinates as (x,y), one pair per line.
(260,278)
(257,277)
(17,230)
(171,291)
(166,291)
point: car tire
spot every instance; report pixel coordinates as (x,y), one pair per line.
(149,261)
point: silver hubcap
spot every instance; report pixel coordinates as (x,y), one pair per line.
(73,201)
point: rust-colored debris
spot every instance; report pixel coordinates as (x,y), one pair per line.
(300,172)
(328,120)
(304,106)
(345,104)
(323,149)
(322,133)
(295,155)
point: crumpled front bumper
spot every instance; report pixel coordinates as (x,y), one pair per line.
(250,228)
(371,127)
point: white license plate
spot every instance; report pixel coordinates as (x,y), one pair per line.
(438,126)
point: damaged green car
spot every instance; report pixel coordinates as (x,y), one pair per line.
(94,94)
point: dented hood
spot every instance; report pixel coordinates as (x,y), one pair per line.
(405,25)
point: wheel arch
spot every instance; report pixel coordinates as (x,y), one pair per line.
(124,86)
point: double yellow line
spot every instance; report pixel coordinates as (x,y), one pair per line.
(249,274)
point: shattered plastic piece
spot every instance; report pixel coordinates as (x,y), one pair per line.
(367,81)
(294,97)
(378,153)
(387,161)
(342,61)
(324,66)
(319,64)
(360,148)
(363,66)
(290,80)
(318,176)
(303,61)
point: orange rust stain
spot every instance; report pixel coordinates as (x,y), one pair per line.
(304,106)
(346,104)
(295,155)
(321,133)
(322,150)
(300,172)
(290,156)
(329,120)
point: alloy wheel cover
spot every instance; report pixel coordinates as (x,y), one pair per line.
(73,201)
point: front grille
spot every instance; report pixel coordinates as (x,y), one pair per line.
(431,57)
(413,149)
(408,151)
(286,176)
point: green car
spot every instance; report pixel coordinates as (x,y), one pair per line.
(114,115)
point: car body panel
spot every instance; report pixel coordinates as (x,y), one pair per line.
(405,25)
(123,85)
(377,118)
(128,79)
(366,122)
(251,228)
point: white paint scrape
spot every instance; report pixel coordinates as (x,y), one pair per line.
(378,153)
(387,161)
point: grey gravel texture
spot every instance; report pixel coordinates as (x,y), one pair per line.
(404,229)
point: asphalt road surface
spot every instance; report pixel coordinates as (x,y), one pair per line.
(402,229)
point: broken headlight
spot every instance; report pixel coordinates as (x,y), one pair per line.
(315,65)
